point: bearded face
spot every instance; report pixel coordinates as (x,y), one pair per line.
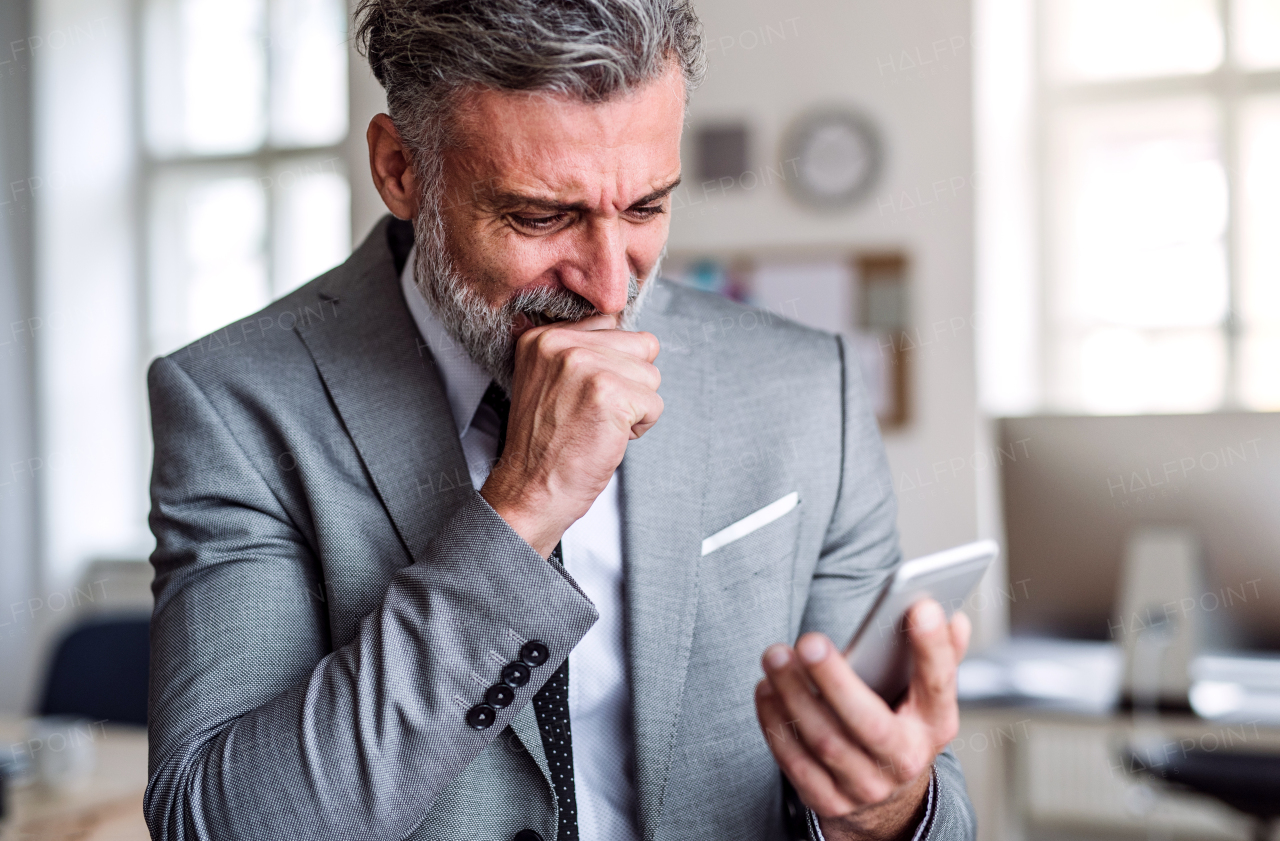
(488,333)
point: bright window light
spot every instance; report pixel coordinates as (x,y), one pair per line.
(207,76)
(1128,371)
(1126,39)
(1145,231)
(313,227)
(309,73)
(1260,254)
(208,252)
(1140,223)
(1149,245)
(246,108)
(224,74)
(1143,215)
(1260,231)
(1260,369)
(1257,33)
(225,235)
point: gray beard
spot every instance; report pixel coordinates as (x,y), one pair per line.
(483,331)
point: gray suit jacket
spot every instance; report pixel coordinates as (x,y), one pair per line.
(332,594)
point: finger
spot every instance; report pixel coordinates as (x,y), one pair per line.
(626,402)
(553,338)
(902,750)
(933,677)
(595,370)
(631,367)
(637,342)
(652,410)
(813,784)
(643,345)
(595,322)
(527,331)
(858,775)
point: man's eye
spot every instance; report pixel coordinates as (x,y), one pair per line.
(647,212)
(538,223)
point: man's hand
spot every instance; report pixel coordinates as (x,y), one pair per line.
(862,767)
(580,393)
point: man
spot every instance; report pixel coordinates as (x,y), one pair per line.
(447,548)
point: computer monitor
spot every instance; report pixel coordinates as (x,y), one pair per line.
(1075,488)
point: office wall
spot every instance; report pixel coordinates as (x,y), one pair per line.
(907,65)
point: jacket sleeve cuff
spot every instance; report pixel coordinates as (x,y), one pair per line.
(922,829)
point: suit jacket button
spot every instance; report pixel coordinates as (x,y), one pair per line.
(526,835)
(515,674)
(499,695)
(481,716)
(534,653)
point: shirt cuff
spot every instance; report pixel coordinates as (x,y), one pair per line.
(815,831)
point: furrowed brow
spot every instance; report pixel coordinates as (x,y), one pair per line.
(657,195)
(506,202)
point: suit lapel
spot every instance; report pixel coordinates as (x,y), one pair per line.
(384,384)
(664,478)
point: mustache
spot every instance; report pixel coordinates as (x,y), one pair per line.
(548,305)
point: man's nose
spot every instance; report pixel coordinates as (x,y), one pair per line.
(603,271)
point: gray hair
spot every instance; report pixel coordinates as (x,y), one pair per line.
(424,52)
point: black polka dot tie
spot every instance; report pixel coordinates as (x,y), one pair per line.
(551,703)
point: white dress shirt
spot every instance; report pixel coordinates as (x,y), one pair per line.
(599,687)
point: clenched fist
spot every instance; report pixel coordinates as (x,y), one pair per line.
(581,391)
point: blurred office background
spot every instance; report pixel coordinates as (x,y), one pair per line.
(1051,225)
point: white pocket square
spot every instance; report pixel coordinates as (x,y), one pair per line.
(750,523)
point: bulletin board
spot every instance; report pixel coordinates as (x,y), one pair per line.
(862,295)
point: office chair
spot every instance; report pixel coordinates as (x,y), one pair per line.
(99,671)
(1245,781)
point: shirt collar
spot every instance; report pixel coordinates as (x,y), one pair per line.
(465,382)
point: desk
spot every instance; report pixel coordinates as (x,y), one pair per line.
(1035,774)
(103,805)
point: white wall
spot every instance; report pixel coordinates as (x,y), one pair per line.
(906,64)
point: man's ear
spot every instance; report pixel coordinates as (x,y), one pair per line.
(392,169)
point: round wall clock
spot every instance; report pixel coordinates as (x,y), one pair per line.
(831,158)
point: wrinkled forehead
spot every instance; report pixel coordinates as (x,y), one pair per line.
(560,146)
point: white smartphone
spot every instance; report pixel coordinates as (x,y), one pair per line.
(880,652)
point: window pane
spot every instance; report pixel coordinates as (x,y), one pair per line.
(1260,370)
(308,72)
(313,221)
(1256,27)
(1121,39)
(1116,371)
(206,75)
(1260,216)
(1140,214)
(208,260)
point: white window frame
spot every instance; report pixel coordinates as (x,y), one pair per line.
(1227,86)
(266,159)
